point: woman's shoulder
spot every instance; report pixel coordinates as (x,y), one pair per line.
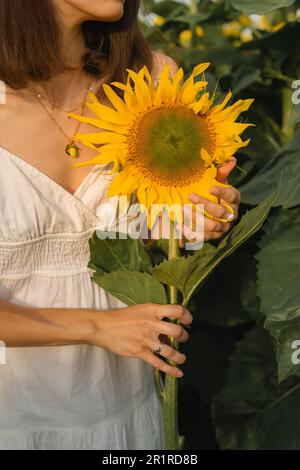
(160,60)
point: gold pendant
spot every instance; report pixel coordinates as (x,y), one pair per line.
(72,150)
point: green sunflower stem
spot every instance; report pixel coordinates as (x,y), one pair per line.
(288,129)
(194,11)
(194,7)
(172,439)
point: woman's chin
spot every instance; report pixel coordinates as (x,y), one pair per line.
(116,17)
(108,18)
(112,14)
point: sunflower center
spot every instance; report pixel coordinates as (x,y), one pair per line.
(166,145)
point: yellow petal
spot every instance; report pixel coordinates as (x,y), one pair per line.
(99,160)
(222,105)
(108,114)
(234,128)
(93,161)
(116,101)
(102,138)
(197,71)
(190,93)
(200,69)
(93,97)
(201,106)
(121,185)
(205,156)
(204,184)
(232,112)
(164,89)
(142,93)
(177,78)
(119,85)
(148,77)
(100,124)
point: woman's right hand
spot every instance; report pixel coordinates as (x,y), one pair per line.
(134,332)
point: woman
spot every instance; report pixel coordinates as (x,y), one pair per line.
(79,365)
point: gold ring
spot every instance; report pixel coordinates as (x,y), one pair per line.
(230,217)
(159,348)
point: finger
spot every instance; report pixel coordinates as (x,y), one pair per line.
(168,352)
(174,311)
(213,236)
(154,361)
(181,242)
(231,195)
(210,226)
(191,236)
(212,208)
(188,234)
(225,169)
(172,329)
(215,226)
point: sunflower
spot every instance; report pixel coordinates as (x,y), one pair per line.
(165,140)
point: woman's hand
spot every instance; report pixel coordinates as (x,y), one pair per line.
(138,330)
(230,196)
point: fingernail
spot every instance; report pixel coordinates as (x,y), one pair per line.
(179,373)
(230,217)
(193,196)
(215,191)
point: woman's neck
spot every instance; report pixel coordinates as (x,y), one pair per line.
(65,89)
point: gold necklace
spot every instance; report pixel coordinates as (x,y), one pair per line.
(54,106)
(71,148)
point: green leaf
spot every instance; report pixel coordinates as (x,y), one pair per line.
(236,278)
(295,115)
(263,147)
(192,19)
(285,40)
(132,287)
(177,271)
(188,273)
(118,255)
(285,166)
(244,76)
(278,284)
(168,7)
(208,352)
(259,7)
(253,411)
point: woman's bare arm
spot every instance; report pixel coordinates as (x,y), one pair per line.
(31,326)
(130,331)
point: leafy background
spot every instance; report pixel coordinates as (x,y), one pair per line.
(240,389)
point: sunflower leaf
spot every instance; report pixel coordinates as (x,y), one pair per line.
(278,284)
(259,6)
(188,273)
(295,113)
(285,164)
(118,255)
(282,40)
(132,287)
(253,411)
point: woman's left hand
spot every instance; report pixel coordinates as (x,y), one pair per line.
(230,196)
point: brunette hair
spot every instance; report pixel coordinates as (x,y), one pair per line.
(30,43)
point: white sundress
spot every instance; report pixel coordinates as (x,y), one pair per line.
(64,397)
